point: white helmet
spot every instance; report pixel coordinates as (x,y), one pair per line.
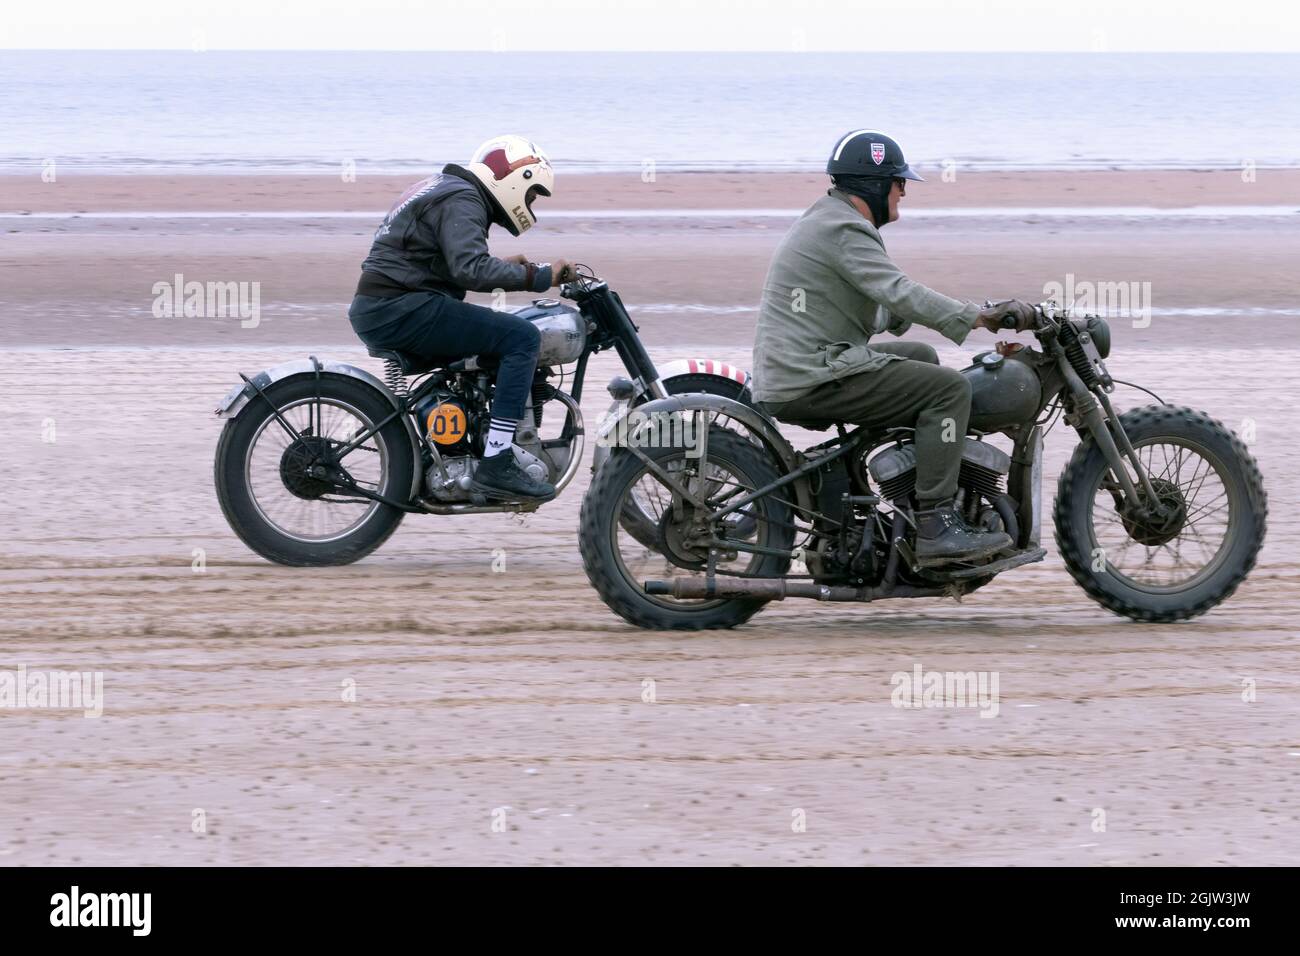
(514,171)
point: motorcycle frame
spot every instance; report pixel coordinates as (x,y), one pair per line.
(608,326)
(1088,410)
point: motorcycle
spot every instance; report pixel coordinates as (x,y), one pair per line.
(319,461)
(1159,514)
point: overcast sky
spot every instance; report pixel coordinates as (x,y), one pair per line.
(1039,25)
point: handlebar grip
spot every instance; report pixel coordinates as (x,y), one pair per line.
(1007,321)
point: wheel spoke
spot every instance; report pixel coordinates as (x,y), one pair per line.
(718,485)
(306,508)
(1171,548)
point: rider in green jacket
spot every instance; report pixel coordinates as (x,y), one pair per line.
(830,289)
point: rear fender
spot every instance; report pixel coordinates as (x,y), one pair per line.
(758,425)
(727,377)
(238,398)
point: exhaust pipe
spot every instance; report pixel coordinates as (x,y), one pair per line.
(778,589)
(765,589)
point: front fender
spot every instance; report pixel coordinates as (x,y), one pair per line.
(237,399)
(703,366)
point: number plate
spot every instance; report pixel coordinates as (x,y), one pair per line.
(446,423)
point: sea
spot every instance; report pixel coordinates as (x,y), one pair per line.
(218,111)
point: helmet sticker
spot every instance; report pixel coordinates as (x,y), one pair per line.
(501,166)
(878,153)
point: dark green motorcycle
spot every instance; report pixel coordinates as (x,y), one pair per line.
(1160,513)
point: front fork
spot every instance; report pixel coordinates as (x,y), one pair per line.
(1095,413)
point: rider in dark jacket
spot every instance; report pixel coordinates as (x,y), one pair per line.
(430,250)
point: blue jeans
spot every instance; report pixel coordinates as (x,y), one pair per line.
(438,327)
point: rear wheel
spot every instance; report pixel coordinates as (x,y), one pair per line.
(618,563)
(1188,554)
(635,518)
(272,498)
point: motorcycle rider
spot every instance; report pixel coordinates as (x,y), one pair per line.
(830,288)
(430,249)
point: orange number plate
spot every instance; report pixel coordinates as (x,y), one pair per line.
(446,424)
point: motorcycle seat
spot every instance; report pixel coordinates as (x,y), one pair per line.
(812,424)
(417,364)
(408,363)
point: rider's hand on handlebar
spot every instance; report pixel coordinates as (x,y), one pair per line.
(1010,314)
(562,271)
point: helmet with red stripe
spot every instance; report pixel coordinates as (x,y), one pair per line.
(514,171)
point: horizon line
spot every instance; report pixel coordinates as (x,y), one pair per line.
(701,52)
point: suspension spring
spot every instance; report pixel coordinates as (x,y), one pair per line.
(394,379)
(542,392)
(1074,352)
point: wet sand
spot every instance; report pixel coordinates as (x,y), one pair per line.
(88,280)
(87,192)
(483,697)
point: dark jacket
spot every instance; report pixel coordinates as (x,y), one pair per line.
(434,239)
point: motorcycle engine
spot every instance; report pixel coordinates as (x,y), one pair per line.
(443,417)
(460,474)
(460,471)
(983,468)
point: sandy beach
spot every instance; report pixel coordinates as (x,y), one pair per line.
(518,696)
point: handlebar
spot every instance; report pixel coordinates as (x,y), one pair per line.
(583,280)
(1008,321)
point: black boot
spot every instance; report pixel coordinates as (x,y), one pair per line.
(501,477)
(943,537)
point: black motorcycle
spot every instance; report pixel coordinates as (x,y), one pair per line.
(319,461)
(1160,513)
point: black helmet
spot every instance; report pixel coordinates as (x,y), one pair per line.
(866,152)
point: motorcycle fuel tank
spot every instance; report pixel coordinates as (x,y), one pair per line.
(1004,392)
(564,330)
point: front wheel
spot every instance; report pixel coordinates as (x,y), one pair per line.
(266,480)
(1185,556)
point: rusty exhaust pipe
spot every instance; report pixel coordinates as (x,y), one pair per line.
(764,589)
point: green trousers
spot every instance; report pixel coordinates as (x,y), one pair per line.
(917,393)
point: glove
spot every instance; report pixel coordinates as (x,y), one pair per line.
(1024,314)
(562,271)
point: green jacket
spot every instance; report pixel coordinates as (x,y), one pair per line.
(830,288)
